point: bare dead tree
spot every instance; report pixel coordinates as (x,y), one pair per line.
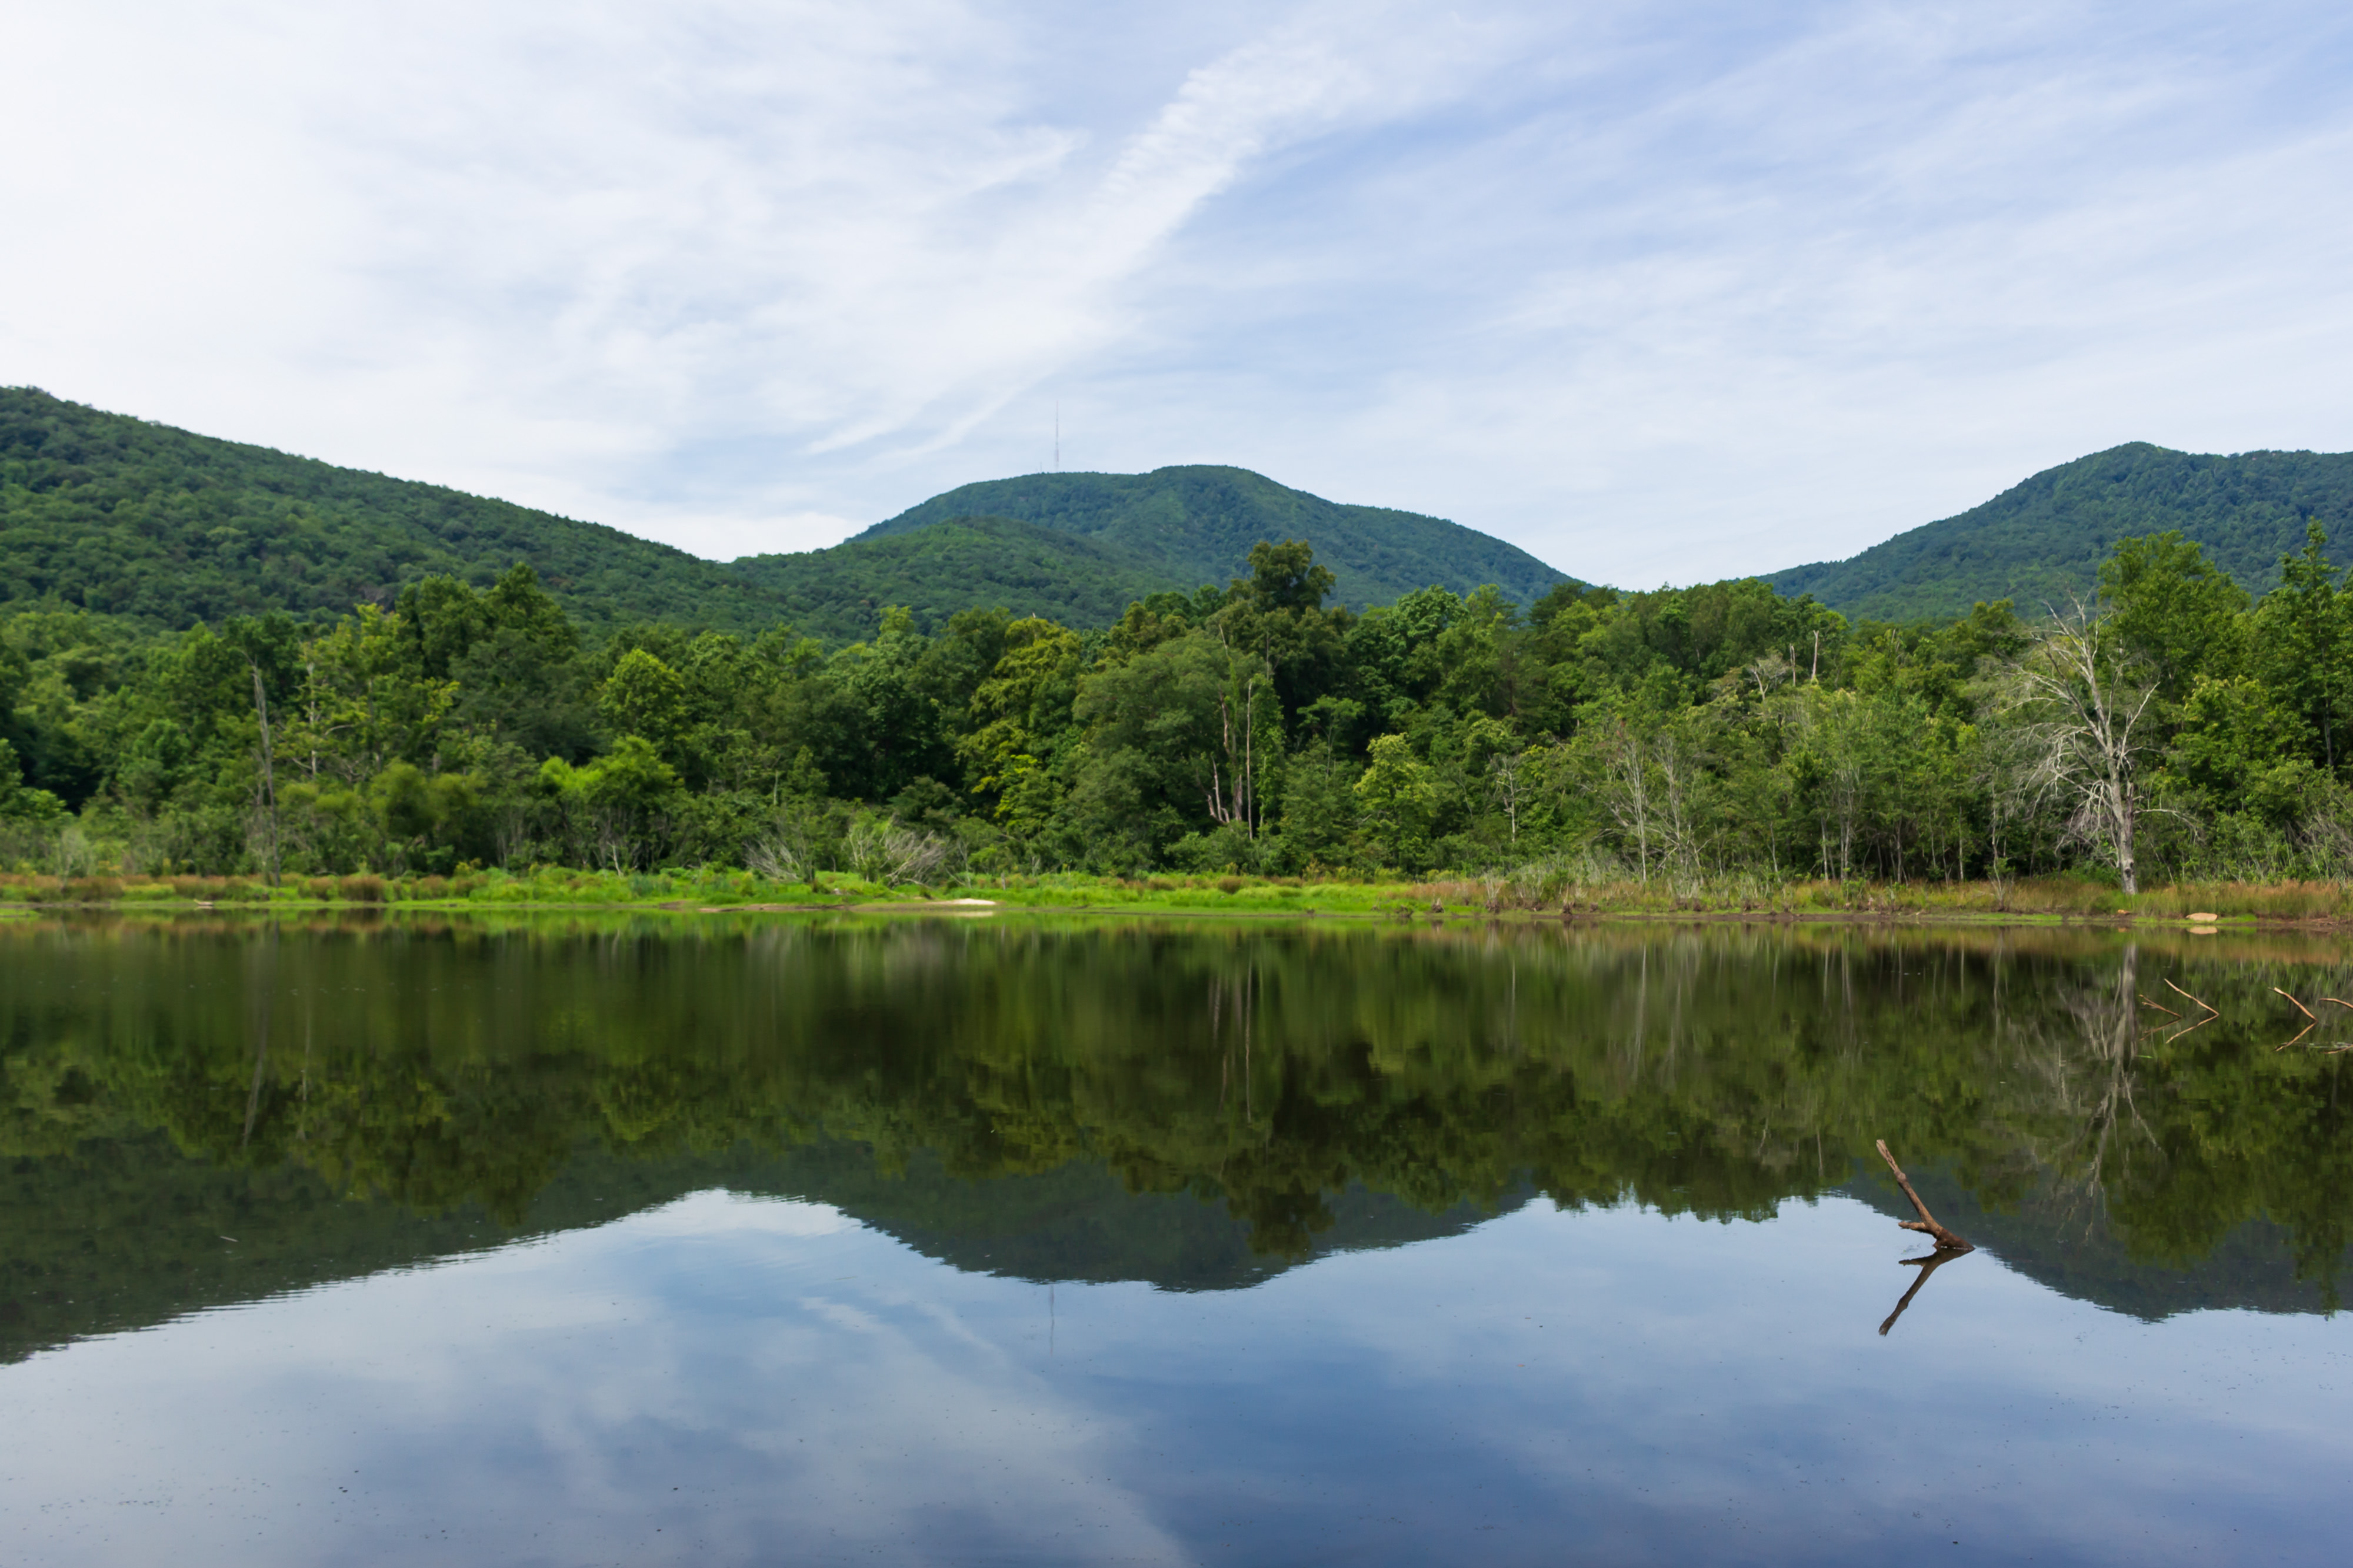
(1507,782)
(2079,698)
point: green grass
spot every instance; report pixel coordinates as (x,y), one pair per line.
(2044,901)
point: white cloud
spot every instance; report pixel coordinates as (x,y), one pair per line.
(1655,291)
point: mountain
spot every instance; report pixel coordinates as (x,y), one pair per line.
(1198,524)
(955,565)
(2038,540)
(106,512)
(110,513)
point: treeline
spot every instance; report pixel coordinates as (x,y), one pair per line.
(2168,728)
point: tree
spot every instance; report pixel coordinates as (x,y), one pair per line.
(2173,607)
(1397,795)
(2304,622)
(2079,696)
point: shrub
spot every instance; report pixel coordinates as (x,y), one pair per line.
(365,889)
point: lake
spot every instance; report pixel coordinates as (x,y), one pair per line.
(747,1240)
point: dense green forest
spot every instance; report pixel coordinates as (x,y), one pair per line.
(2043,539)
(111,514)
(1197,524)
(2172,729)
(958,563)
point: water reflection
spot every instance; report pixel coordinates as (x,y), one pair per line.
(1195,1107)
(1163,1243)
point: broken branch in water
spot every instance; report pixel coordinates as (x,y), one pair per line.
(2285,1044)
(2161,1007)
(1945,1240)
(2297,1004)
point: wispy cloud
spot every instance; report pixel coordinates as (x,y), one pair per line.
(1659,292)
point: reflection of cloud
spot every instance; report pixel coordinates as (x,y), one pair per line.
(730,1380)
(675,1386)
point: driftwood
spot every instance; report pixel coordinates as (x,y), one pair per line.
(1945,1240)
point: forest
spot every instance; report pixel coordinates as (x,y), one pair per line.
(2170,727)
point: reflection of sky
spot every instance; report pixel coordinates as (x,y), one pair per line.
(731,1380)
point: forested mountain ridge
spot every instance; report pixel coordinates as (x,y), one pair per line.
(105,512)
(958,563)
(1199,521)
(2045,538)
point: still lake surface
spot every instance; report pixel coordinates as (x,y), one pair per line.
(780,1240)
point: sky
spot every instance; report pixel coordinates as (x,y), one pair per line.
(1659,292)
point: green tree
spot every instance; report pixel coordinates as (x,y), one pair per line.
(2304,637)
(1396,799)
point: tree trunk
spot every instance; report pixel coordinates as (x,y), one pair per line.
(2127,868)
(268,770)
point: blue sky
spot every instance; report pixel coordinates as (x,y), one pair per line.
(1659,292)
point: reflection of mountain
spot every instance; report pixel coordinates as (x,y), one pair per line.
(1185,1104)
(2055,1244)
(131,1233)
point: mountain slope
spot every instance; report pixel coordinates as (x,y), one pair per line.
(111,513)
(1199,523)
(2038,540)
(961,564)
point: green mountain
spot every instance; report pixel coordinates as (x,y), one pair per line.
(106,512)
(955,564)
(2038,540)
(1198,524)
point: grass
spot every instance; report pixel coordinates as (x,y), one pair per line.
(1522,896)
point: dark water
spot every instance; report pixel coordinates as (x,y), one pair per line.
(981,1241)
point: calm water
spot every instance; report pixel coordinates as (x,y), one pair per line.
(984,1241)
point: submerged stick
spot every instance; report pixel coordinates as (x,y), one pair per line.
(2161,1007)
(1945,1240)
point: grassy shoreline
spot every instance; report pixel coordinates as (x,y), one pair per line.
(2038,902)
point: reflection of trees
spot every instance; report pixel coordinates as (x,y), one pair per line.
(2079,1059)
(1717,1072)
